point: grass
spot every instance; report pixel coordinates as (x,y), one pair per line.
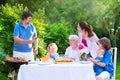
(118,71)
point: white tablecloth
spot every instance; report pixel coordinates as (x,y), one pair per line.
(73,71)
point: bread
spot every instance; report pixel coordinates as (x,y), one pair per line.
(63,61)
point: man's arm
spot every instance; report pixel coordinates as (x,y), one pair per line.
(18,40)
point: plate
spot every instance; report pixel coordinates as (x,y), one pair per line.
(33,62)
(42,63)
(85,62)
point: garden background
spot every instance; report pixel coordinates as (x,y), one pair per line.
(55,20)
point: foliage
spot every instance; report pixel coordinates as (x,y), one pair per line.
(118,43)
(10,19)
(101,14)
(40,25)
(10,16)
(4,69)
(118,71)
(59,33)
(72,11)
(31,4)
(62,17)
(109,18)
(7,21)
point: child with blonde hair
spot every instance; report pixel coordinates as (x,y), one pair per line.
(52,51)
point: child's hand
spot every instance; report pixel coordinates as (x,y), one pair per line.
(89,59)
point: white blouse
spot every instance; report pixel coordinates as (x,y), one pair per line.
(92,45)
(70,53)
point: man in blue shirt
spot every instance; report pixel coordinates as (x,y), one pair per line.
(24,35)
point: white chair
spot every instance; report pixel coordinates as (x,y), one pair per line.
(114,54)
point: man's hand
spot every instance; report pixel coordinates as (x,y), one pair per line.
(29,41)
(35,51)
(35,45)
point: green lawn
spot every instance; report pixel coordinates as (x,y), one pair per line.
(118,71)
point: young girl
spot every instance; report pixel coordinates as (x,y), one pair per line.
(106,65)
(52,51)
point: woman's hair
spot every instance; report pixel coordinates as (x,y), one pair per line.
(52,44)
(85,26)
(73,37)
(105,43)
(26,14)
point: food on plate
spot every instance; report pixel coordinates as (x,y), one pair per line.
(63,61)
(15,59)
(21,60)
(9,58)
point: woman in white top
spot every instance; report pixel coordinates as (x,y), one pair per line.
(72,50)
(88,37)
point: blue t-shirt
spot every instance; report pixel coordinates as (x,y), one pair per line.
(107,59)
(98,69)
(25,34)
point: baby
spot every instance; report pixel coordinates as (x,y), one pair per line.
(100,54)
(98,69)
(52,51)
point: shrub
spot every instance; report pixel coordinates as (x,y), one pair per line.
(39,23)
(10,18)
(59,33)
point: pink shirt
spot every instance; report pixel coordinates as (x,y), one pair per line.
(91,43)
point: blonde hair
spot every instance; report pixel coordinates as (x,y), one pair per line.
(52,44)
